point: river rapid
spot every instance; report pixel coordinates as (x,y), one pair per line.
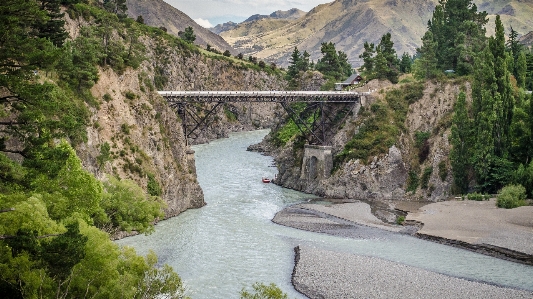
(231,242)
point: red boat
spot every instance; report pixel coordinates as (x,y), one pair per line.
(265,180)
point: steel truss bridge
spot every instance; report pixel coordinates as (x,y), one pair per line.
(318,119)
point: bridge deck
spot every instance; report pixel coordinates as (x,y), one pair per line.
(260,96)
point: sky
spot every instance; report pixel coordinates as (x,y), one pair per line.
(209,13)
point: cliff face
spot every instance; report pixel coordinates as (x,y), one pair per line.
(386,176)
(134,133)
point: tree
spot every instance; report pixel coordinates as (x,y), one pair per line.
(227,53)
(140,20)
(54,27)
(426,64)
(405,63)
(514,47)
(459,32)
(368,58)
(461,140)
(330,65)
(189,35)
(117,7)
(292,69)
(521,70)
(386,60)
(262,291)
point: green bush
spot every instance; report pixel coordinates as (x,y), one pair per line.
(412,181)
(511,196)
(262,291)
(443,171)
(400,220)
(424,181)
(380,126)
(475,196)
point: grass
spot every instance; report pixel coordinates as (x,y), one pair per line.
(380,124)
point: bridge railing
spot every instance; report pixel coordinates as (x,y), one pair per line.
(260,96)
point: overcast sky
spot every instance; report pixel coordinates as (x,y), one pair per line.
(212,12)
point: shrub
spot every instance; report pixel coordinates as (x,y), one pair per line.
(412,181)
(425,177)
(400,220)
(475,196)
(262,291)
(443,171)
(153,186)
(511,196)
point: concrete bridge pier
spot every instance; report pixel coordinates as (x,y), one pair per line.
(317,162)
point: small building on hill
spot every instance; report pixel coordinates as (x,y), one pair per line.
(352,80)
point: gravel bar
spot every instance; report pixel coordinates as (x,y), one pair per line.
(327,274)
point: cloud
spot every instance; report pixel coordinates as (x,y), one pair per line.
(203,23)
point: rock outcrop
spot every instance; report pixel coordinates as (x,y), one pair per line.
(385,176)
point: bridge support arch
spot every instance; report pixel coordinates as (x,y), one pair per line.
(317,162)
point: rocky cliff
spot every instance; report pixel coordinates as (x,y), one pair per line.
(135,134)
(387,175)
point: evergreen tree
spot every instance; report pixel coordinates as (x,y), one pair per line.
(117,7)
(426,64)
(458,29)
(293,68)
(461,140)
(405,63)
(189,35)
(503,93)
(329,64)
(53,28)
(521,70)
(514,48)
(368,59)
(386,60)
(303,64)
(346,67)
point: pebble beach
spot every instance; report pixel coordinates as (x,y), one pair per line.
(320,273)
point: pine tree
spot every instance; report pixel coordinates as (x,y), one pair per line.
(368,59)
(329,64)
(458,28)
(292,69)
(189,35)
(405,63)
(426,64)
(514,48)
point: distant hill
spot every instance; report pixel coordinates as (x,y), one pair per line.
(161,14)
(527,39)
(349,23)
(279,18)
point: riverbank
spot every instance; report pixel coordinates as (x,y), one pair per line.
(318,274)
(329,274)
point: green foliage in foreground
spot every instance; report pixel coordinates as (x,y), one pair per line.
(262,291)
(511,196)
(380,124)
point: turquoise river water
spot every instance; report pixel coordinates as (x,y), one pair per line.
(231,242)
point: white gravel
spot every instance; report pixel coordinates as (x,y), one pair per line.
(329,275)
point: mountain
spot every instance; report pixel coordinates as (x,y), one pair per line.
(349,23)
(276,19)
(158,13)
(223,27)
(527,39)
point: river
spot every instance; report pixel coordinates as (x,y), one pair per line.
(231,242)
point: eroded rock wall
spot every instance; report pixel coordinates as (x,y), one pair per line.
(385,176)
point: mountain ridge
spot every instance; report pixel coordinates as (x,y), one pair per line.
(158,13)
(349,23)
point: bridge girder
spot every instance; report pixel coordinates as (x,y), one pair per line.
(318,121)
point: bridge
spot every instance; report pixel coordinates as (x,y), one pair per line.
(317,120)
